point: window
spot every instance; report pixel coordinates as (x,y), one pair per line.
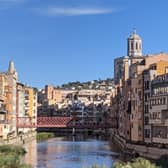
(146,108)
(139,128)
(146,120)
(133,105)
(147,133)
(132,45)
(146,97)
(164,100)
(150,104)
(161,101)
(140,46)
(140,95)
(136,46)
(147,85)
(139,81)
(166,69)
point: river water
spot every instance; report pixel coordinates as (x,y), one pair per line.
(61,152)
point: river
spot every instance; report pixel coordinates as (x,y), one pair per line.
(61,152)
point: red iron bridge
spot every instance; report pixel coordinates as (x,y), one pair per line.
(63,122)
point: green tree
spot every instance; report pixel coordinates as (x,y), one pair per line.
(137,163)
(163,161)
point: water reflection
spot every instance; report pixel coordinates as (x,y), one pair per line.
(31,155)
(63,153)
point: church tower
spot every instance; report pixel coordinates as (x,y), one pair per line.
(134,46)
(12,70)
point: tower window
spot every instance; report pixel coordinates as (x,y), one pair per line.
(132,46)
(140,46)
(136,46)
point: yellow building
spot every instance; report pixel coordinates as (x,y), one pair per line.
(161,67)
(31,104)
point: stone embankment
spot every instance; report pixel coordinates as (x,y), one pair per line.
(141,150)
(19,140)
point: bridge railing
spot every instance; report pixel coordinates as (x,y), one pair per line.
(61,122)
(26,122)
(58,122)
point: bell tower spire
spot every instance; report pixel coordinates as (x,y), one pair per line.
(12,70)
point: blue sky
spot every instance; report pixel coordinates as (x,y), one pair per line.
(57,41)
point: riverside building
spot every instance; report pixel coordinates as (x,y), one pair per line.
(141,114)
(18,104)
(158,109)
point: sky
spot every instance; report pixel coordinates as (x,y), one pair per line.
(58,41)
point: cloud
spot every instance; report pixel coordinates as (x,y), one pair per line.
(9,3)
(55,11)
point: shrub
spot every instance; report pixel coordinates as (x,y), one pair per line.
(163,161)
(5,149)
(96,166)
(10,156)
(137,163)
(44,136)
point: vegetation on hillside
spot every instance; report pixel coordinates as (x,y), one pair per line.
(95,84)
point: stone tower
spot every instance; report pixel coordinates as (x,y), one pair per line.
(134,46)
(12,70)
(12,79)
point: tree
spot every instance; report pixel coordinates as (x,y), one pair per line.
(163,161)
(137,163)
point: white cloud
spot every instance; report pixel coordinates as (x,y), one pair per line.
(55,11)
(9,3)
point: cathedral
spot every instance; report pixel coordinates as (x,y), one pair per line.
(134,54)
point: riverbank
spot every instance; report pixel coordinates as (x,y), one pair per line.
(153,153)
(10,156)
(25,138)
(12,150)
(20,139)
(42,136)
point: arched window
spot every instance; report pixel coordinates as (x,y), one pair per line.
(140,46)
(136,46)
(132,45)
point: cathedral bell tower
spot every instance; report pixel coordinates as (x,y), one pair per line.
(134,46)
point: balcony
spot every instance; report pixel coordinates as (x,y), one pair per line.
(159,119)
(160,134)
(160,140)
(164,117)
(155,121)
